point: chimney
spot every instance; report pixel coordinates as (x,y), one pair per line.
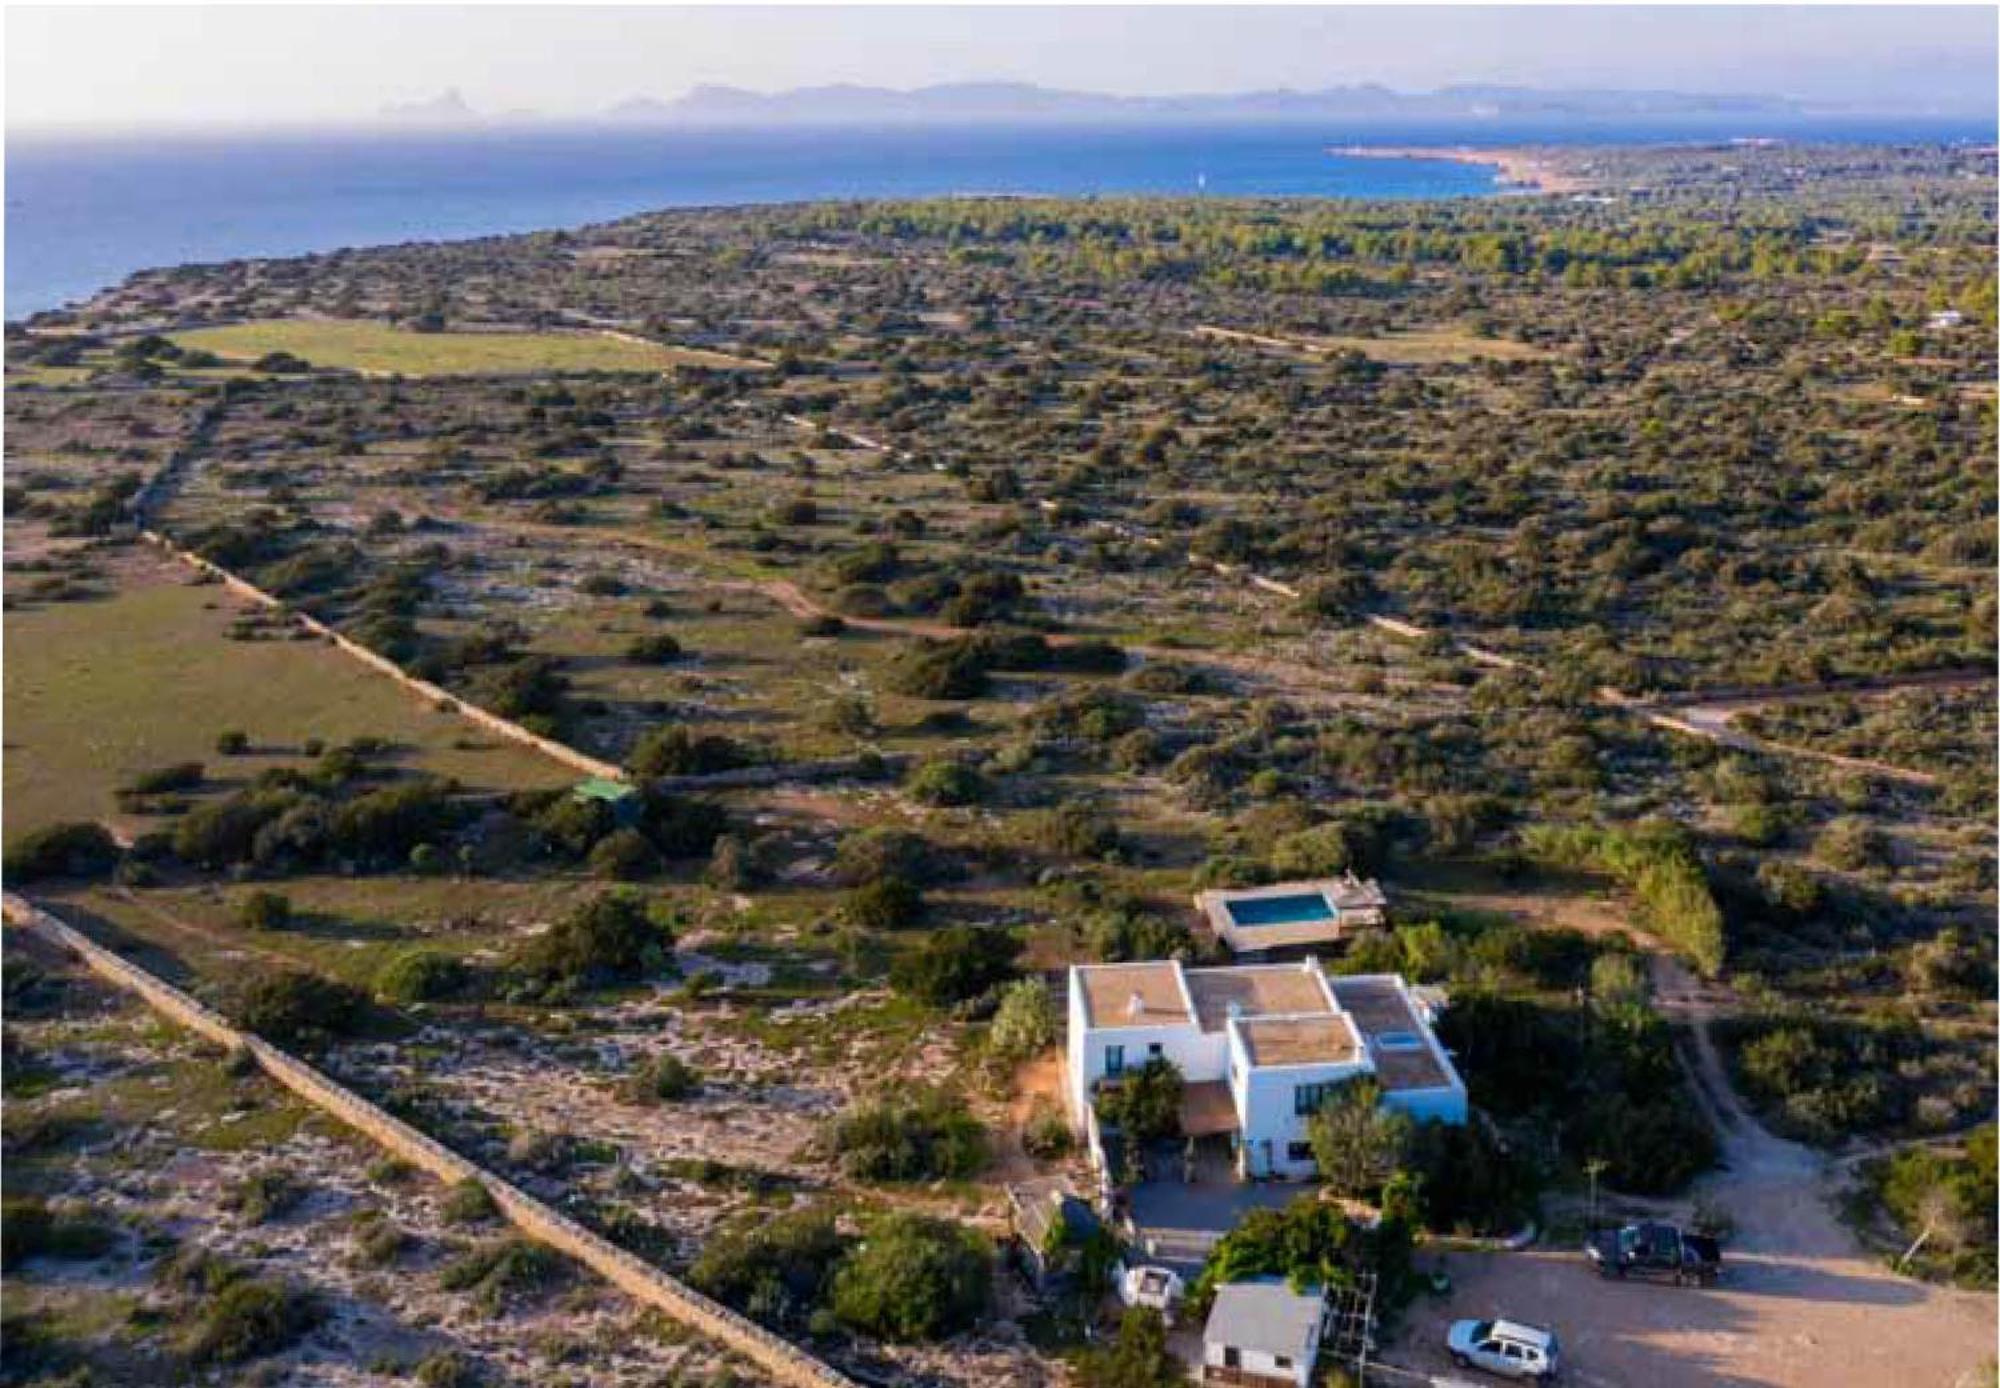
(1135,1006)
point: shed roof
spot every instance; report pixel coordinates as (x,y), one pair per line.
(1265,1314)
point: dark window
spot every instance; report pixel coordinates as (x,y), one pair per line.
(1299,1151)
(1114,1060)
(1232,1358)
(1307,1099)
(1155,1048)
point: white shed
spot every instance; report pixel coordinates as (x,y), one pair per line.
(1262,1334)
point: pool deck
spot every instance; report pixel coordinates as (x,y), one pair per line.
(1353,905)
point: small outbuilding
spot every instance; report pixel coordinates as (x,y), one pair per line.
(620,797)
(1262,1334)
(1053,1226)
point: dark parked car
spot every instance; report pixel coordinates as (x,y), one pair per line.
(1655,1250)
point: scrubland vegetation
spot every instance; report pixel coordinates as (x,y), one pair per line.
(920,697)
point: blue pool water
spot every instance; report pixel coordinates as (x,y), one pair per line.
(1281,910)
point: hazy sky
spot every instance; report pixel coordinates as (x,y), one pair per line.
(123,66)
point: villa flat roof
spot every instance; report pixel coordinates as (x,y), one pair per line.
(1379,1008)
(1324,1040)
(1257,990)
(1109,991)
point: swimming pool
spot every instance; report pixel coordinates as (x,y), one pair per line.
(1281,910)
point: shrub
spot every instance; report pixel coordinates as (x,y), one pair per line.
(665,1076)
(1137,1358)
(250,1319)
(1357,1140)
(1657,861)
(292,1005)
(885,903)
(955,964)
(913,1134)
(186,775)
(869,854)
(1145,1104)
(61,850)
(944,782)
(448,1368)
(1025,1024)
(775,1268)
(1308,1241)
(265,910)
(657,648)
(502,1272)
(1607,1084)
(944,670)
(31,1229)
(624,855)
(469,1202)
(674,750)
(1468,1180)
(914,1278)
(264,1195)
(611,938)
(232,743)
(421,975)
(1047,1134)
(1852,845)
(1075,830)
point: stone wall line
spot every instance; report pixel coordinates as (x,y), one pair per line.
(784,1361)
(436,695)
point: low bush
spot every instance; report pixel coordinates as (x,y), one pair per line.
(914,1134)
(886,903)
(915,1278)
(83,849)
(421,975)
(469,1202)
(249,1319)
(956,964)
(666,1076)
(264,910)
(504,1272)
(775,1268)
(610,939)
(943,782)
(292,1006)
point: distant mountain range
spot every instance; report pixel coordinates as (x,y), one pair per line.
(1020,102)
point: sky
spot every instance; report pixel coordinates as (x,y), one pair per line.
(124,67)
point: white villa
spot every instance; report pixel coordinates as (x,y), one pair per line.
(1259,1048)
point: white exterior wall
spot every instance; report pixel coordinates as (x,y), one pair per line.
(1256,1361)
(1197,1054)
(1266,1103)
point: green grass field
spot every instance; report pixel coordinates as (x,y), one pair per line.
(97,691)
(381,349)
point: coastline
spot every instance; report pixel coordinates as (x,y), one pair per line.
(1521,170)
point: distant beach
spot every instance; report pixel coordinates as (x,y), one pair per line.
(1522,169)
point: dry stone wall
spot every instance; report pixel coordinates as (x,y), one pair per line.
(785,1362)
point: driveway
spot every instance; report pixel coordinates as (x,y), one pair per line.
(1800,1304)
(1179,1222)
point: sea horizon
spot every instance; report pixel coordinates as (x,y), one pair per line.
(85,210)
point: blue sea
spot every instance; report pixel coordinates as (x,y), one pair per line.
(84,213)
